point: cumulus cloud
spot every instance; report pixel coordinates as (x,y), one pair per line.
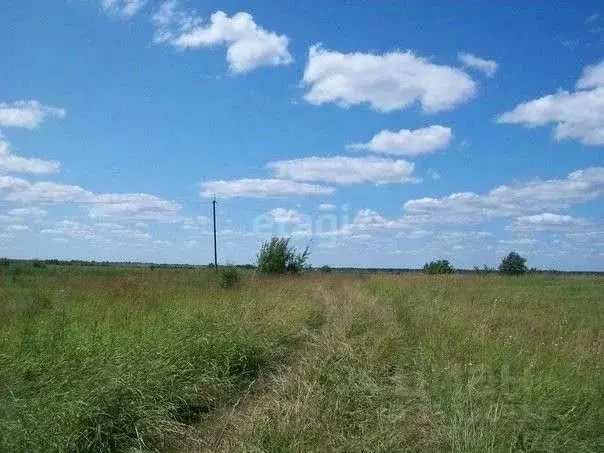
(387,82)
(488,67)
(287,216)
(27,114)
(547,221)
(11,163)
(102,233)
(18,228)
(20,215)
(408,142)
(75,230)
(195,223)
(17,189)
(139,206)
(345,170)
(30,211)
(261,188)
(123,8)
(327,207)
(519,241)
(509,201)
(517,201)
(576,115)
(249,46)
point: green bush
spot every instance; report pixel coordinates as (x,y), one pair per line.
(485,270)
(438,267)
(325,269)
(278,256)
(513,264)
(228,277)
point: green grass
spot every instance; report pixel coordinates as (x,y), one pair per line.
(105,359)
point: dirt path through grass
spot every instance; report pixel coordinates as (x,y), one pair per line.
(344,389)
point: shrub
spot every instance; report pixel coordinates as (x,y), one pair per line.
(325,269)
(278,256)
(485,270)
(513,264)
(3,261)
(229,277)
(438,267)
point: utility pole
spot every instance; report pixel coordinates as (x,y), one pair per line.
(215,251)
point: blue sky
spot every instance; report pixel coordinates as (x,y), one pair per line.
(384,133)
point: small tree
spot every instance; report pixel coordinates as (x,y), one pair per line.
(513,264)
(438,267)
(278,256)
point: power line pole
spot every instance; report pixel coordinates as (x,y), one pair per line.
(215,250)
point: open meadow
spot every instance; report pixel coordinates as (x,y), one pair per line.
(139,359)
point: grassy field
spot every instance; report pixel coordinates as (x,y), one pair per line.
(108,359)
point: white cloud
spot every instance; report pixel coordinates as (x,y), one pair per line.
(30,211)
(249,46)
(99,233)
(520,241)
(387,82)
(592,18)
(21,215)
(139,206)
(27,114)
(592,238)
(327,207)
(287,216)
(547,221)
(489,67)
(592,77)
(261,188)
(17,189)
(415,234)
(18,228)
(576,115)
(433,174)
(408,142)
(73,229)
(345,170)
(123,8)
(11,163)
(504,201)
(195,223)
(508,201)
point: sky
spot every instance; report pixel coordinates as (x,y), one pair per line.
(382,134)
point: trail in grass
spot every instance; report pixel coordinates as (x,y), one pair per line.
(345,388)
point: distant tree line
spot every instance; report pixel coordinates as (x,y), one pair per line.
(279,256)
(511,264)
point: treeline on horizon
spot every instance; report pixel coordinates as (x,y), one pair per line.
(40,263)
